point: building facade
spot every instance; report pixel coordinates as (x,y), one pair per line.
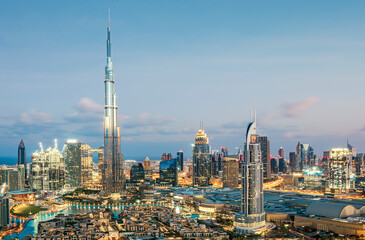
(230,172)
(4,210)
(251,218)
(113,178)
(22,158)
(169,172)
(265,155)
(47,172)
(340,168)
(180,159)
(137,173)
(147,168)
(201,160)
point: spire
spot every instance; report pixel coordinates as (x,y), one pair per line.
(108,42)
(21,144)
(109,17)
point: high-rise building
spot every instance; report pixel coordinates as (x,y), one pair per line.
(360,163)
(230,172)
(86,164)
(274,165)
(201,160)
(78,163)
(147,168)
(168,172)
(265,155)
(292,162)
(180,160)
(340,167)
(47,172)
(298,154)
(282,165)
(137,173)
(4,210)
(216,162)
(251,218)
(113,179)
(281,152)
(72,152)
(22,159)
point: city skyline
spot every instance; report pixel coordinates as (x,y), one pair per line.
(63,99)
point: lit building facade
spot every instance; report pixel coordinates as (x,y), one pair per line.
(113,179)
(340,168)
(265,155)
(251,218)
(47,172)
(72,152)
(147,168)
(86,164)
(169,172)
(201,160)
(230,172)
(78,163)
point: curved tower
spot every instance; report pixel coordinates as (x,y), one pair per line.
(112,170)
(251,219)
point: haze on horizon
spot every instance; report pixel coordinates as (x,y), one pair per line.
(299,63)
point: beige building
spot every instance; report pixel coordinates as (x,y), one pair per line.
(230,172)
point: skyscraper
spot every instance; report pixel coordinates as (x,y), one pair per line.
(22,157)
(113,179)
(265,155)
(251,219)
(180,160)
(147,168)
(298,153)
(137,173)
(78,163)
(201,160)
(340,167)
(47,172)
(293,162)
(168,172)
(281,152)
(72,153)
(230,172)
(4,210)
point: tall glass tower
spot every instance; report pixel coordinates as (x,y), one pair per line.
(201,160)
(22,160)
(113,179)
(251,219)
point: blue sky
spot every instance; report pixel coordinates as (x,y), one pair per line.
(299,63)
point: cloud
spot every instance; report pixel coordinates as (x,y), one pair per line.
(88,105)
(294,110)
(33,117)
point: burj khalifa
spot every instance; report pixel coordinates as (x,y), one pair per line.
(113,179)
